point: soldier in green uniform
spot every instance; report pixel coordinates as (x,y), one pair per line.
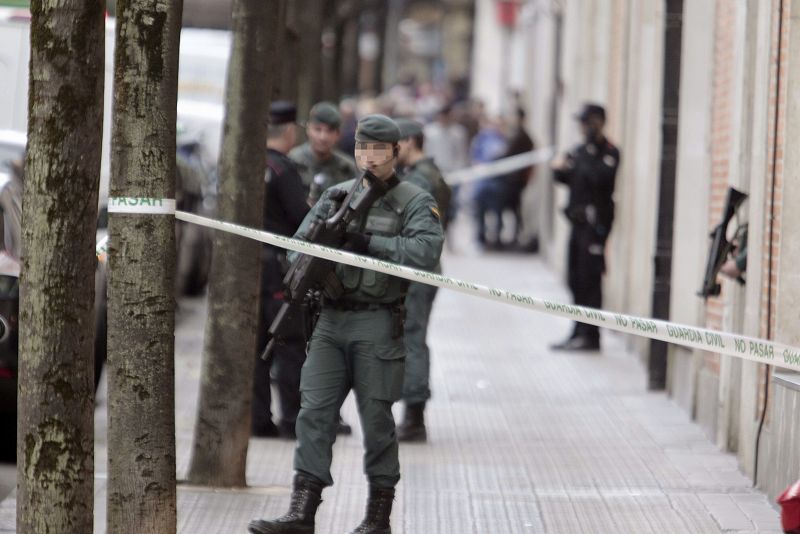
(320,164)
(358,340)
(422,171)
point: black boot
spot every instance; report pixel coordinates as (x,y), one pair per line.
(413,426)
(306,496)
(379,509)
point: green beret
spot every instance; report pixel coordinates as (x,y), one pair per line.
(408,128)
(325,113)
(378,129)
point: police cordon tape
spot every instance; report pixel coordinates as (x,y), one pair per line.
(499,167)
(141,205)
(748,348)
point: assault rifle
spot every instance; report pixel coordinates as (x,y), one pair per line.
(720,246)
(309,276)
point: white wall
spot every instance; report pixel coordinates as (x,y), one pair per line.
(629,280)
(690,231)
(755,165)
(491,48)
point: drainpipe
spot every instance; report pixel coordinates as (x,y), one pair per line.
(657,361)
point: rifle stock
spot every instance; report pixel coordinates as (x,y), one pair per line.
(720,246)
(308,276)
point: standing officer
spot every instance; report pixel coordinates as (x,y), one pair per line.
(423,172)
(589,172)
(358,341)
(321,165)
(284,209)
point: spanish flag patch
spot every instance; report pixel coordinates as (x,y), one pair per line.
(435,212)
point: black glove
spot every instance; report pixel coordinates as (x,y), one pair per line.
(337,195)
(356,242)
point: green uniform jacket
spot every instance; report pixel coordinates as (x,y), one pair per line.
(317,176)
(427,176)
(405,229)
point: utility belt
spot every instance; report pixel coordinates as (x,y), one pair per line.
(397,309)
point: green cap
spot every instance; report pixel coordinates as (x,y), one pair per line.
(378,129)
(408,128)
(326,113)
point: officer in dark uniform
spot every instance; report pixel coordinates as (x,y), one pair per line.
(423,172)
(589,171)
(284,209)
(358,340)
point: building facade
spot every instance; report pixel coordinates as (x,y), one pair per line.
(738,70)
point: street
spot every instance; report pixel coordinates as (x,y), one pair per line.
(521,439)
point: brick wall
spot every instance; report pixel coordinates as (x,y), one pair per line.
(721,130)
(774,172)
(774,175)
(721,140)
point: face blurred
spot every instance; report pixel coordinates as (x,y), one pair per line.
(405,147)
(592,128)
(322,137)
(375,157)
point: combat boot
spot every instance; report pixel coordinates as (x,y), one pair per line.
(379,509)
(306,496)
(413,426)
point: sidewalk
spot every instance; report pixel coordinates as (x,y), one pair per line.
(521,439)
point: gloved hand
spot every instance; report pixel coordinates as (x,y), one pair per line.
(356,242)
(337,195)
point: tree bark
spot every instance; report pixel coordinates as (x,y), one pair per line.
(55,435)
(309,58)
(330,74)
(222,431)
(350,60)
(141,303)
(289,39)
(276,57)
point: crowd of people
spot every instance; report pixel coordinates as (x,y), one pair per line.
(460,133)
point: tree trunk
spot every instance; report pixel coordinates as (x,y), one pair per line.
(141,293)
(381,14)
(288,39)
(351,60)
(55,435)
(331,28)
(276,56)
(222,431)
(207,14)
(309,58)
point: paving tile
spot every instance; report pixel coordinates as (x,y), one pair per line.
(521,439)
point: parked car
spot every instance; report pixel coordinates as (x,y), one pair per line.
(195,192)
(9,322)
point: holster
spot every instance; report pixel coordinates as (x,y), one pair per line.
(312,307)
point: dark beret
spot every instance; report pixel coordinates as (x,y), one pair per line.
(408,128)
(325,113)
(282,112)
(377,128)
(591,110)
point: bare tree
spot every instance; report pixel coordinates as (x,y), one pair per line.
(141,308)
(55,435)
(223,422)
(309,15)
(288,38)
